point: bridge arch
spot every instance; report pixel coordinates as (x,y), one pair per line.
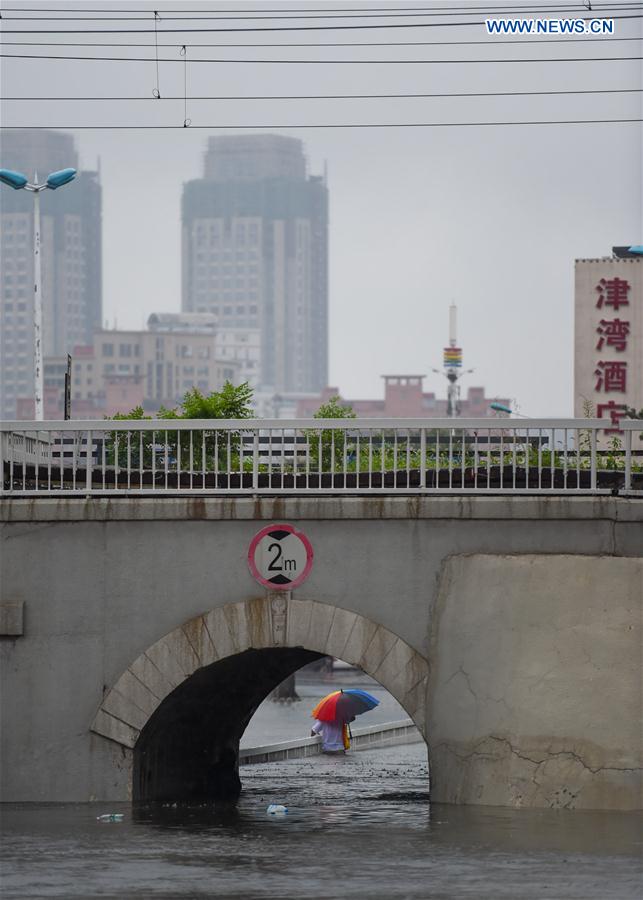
(183,704)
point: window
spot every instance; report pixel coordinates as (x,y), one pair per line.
(108,349)
(125,350)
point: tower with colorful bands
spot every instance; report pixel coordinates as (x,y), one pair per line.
(452,358)
(452,362)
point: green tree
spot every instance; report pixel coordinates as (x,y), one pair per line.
(231,402)
(334,446)
(335,409)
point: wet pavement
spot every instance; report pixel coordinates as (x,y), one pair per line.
(358,826)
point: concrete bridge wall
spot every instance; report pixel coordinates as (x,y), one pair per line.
(510,627)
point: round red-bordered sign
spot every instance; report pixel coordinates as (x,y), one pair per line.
(280,557)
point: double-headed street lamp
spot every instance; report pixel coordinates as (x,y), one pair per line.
(18,181)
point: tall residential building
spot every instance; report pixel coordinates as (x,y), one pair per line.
(70,254)
(608,337)
(255,253)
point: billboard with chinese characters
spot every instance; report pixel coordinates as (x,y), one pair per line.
(608,339)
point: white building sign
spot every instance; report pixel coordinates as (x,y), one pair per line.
(608,358)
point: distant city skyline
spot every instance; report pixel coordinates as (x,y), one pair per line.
(488,217)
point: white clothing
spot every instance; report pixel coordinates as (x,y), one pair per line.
(331,734)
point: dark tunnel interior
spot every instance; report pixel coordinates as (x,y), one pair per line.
(188,750)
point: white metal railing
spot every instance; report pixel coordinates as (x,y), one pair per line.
(327,456)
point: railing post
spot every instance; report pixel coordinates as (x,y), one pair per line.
(255,459)
(592,439)
(89,457)
(628,459)
(423,457)
(4,455)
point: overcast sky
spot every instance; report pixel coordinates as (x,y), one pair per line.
(490,218)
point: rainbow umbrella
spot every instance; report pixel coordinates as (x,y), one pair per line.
(343,706)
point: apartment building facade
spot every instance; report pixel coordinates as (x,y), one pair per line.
(255,254)
(124,369)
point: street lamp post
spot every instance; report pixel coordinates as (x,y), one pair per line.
(18,181)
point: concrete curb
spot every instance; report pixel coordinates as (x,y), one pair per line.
(387,735)
(361,507)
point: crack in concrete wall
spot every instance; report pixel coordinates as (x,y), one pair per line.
(535,682)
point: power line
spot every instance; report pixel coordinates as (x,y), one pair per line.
(487,43)
(291,17)
(309,14)
(218,127)
(521,7)
(332,62)
(388,25)
(341,96)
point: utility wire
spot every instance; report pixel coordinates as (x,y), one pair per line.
(388,25)
(176,45)
(373,13)
(217,126)
(524,7)
(307,18)
(341,96)
(332,62)
(186,121)
(157,90)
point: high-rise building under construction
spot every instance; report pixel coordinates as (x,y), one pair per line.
(255,253)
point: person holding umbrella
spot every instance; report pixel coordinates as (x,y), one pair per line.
(333,714)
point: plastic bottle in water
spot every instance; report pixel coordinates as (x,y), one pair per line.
(276,809)
(110,817)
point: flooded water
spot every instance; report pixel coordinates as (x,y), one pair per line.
(358,826)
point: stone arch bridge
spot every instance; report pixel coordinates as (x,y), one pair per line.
(509,628)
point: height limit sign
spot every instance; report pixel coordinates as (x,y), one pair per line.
(280,557)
